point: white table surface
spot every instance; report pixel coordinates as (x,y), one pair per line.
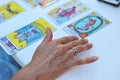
(106,42)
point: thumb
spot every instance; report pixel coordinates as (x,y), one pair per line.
(48,36)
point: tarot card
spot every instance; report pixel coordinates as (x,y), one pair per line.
(8,46)
(112,2)
(9,10)
(30,3)
(67,11)
(44,3)
(30,33)
(87,25)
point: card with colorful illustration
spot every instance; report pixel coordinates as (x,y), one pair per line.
(87,25)
(8,46)
(9,10)
(44,3)
(67,11)
(30,3)
(30,33)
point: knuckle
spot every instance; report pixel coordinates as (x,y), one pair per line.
(65,38)
(79,62)
(74,43)
(80,48)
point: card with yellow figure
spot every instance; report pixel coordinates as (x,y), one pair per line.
(44,3)
(29,34)
(9,10)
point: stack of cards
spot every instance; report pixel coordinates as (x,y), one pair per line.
(25,36)
(87,25)
(9,10)
(67,11)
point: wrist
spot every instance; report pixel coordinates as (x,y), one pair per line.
(26,73)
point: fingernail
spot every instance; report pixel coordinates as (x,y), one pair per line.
(94,58)
(90,46)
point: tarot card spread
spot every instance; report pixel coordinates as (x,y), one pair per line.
(9,10)
(67,11)
(26,35)
(87,25)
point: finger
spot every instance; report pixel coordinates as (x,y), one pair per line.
(81,48)
(85,61)
(72,44)
(83,41)
(69,65)
(48,36)
(71,53)
(72,63)
(79,62)
(64,40)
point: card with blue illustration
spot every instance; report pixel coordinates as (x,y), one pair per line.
(24,36)
(67,11)
(87,25)
(29,34)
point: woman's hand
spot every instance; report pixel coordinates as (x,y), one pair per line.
(53,57)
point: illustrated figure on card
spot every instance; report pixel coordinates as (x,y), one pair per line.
(9,10)
(67,11)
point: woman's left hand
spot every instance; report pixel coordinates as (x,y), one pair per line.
(53,57)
